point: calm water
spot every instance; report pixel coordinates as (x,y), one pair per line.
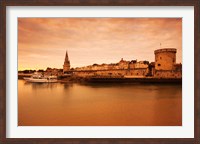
(61,104)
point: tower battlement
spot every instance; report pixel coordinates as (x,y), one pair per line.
(165,50)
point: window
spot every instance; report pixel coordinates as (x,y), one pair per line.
(160,57)
(159,64)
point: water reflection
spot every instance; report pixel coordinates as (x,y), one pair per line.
(99,104)
(67,85)
(41,85)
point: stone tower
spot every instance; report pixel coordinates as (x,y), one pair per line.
(66,66)
(165,59)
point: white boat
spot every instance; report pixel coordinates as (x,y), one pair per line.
(39,78)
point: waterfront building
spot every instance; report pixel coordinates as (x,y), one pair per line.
(142,64)
(53,71)
(123,64)
(165,64)
(66,66)
(165,58)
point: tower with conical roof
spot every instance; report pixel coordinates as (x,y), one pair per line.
(66,66)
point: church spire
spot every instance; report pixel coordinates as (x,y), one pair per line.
(66,66)
(66,57)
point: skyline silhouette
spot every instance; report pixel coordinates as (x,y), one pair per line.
(42,42)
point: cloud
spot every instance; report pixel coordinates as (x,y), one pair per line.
(99,40)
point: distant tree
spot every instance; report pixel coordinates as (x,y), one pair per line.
(32,71)
(48,68)
(146,62)
(40,70)
(25,71)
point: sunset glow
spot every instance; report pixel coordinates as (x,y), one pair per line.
(42,42)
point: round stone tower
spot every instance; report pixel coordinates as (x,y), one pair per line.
(165,58)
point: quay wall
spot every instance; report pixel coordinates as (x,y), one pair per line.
(21,76)
(112,73)
(135,80)
(168,74)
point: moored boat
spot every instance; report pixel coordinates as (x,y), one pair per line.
(39,78)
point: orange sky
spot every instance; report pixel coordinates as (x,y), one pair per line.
(42,42)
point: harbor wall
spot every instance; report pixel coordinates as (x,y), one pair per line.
(113,73)
(168,74)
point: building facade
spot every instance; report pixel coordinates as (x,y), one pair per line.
(165,66)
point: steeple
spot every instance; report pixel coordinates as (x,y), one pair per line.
(66,57)
(66,66)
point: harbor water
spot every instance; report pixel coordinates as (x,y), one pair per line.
(99,104)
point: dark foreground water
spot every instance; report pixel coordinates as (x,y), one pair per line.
(62,104)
